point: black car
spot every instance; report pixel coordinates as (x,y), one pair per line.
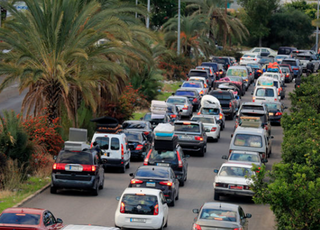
(227,101)
(138,144)
(225,61)
(157,177)
(192,136)
(286,50)
(78,170)
(193,96)
(215,68)
(276,110)
(173,112)
(175,159)
(144,127)
(156,119)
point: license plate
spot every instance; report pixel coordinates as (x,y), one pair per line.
(151,184)
(74,168)
(138,220)
(270,114)
(185,137)
(235,187)
(162,164)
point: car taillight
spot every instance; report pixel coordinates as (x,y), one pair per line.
(221,72)
(122,207)
(223,185)
(287,75)
(139,147)
(213,129)
(146,160)
(91,145)
(122,152)
(195,100)
(254,59)
(228,66)
(230,151)
(173,116)
(246,187)
(295,68)
(220,116)
(156,210)
(240,58)
(199,113)
(146,133)
(198,138)
(207,81)
(59,166)
(278,113)
(196,227)
(136,181)
(238,229)
(266,127)
(180,163)
(247,79)
(205,85)
(185,107)
(201,92)
(230,105)
(89,168)
(168,183)
(275,99)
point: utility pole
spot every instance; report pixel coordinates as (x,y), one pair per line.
(148,17)
(179,28)
(317,35)
(136,11)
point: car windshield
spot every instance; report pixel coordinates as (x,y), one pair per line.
(292,63)
(156,155)
(222,96)
(155,172)
(192,85)
(176,101)
(248,140)
(237,72)
(235,171)
(273,106)
(210,111)
(186,93)
(204,119)
(220,60)
(154,121)
(19,218)
(265,92)
(129,125)
(146,204)
(83,158)
(218,214)
(134,137)
(187,127)
(244,157)
(198,73)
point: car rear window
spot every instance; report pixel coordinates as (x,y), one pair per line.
(115,143)
(265,92)
(176,101)
(222,95)
(129,125)
(187,127)
(250,56)
(135,137)
(198,73)
(220,60)
(218,215)
(292,63)
(248,140)
(103,142)
(261,116)
(235,171)
(20,218)
(186,93)
(75,158)
(210,111)
(303,57)
(163,155)
(146,204)
(252,107)
(237,72)
(244,157)
(192,85)
(272,106)
(214,66)
(204,119)
(155,172)
(235,78)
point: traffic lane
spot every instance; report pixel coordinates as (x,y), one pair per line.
(82,208)
(11,100)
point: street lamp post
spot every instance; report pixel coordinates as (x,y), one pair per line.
(136,5)
(179,19)
(148,17)
(317,28)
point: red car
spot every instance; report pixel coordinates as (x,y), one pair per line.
(29,218)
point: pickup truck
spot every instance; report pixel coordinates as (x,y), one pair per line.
(227,101)
(308,62)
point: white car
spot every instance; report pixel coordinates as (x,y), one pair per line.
(250,58)
(142,208)
(245,157)
(87,227)
(210,124)
(233,179)
(259,50)
(265,94)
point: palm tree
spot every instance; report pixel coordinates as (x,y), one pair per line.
(54,53)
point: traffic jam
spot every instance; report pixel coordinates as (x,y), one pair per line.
(170,136)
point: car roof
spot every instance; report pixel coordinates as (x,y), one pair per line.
(178,97)
(155,167)
(249,130)
(202,115)
(245,152)
(38,211)
(222,205)
(237,164)
(147,191)
(87,227)
(135,121)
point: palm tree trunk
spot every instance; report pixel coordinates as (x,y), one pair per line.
(225,34)
(53,98)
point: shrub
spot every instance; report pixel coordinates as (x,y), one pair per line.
(12,175)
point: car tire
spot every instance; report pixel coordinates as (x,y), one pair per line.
(123,169)
(53,190)
(172,203)
(177,197)
(216,140)
(181,183)
(201,152)
(128,165)
(269,154)
(95,191)
(102,184)
(222,127)
(166,225)
(216,196)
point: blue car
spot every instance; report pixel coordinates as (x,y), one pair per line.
(295,65)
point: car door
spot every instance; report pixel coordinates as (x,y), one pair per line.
(98,163)
(164,206)
(50,221)
(184,161)
(243,219)
(176,182)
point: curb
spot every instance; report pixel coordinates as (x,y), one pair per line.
(32,195)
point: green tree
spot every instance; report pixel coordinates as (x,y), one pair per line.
(258,14)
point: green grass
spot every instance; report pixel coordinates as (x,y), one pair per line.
(167,90)
(138,115)
(33,184)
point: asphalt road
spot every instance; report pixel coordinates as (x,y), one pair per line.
(82,208)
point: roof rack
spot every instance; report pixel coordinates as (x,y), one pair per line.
(77,140)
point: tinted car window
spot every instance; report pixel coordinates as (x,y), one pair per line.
(222,96)
(186,93)
(218,215)
(303,57)
(103,142)
(187,127)
(163,155)
(244,157)
(235,171)
(292,63)
(261,116)
(192,85)
(14,218)
(134,137)
(272,106)
(203,119)
(252,107)
(210,111)
(75,158)
(128,125)
(176,101)
(115,143)
(213,65)
(248,140)
(146,203)
(198,73)
(264,92)
(155,172)
(220,60)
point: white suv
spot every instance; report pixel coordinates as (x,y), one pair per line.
(142,208)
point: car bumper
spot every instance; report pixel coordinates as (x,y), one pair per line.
(185,113)
(192,147)
(136,154)
(227,111)
(212,135)
(112,162)
(149,222)
(275,119)
(234,192)
(72,181)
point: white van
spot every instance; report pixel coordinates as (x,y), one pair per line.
(265,94)
(115,149)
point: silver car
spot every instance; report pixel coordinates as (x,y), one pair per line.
(183,104)
(245,157)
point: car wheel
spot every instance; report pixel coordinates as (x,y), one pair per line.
(177,197)
(201,152)
(95,190)
(231,117)
(102,184)
(166,225)
(270,152)
(216,196)
(123,169)
(181,182)
(172,203)
(128,165)
(222,127)
(53,190)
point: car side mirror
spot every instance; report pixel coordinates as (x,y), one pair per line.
(196,211)
(172,94)
(231,135)
(225,157)
(271,137)
(94,144)
(179,85)
(285,107)
(59,221)
(215,170)
(118,198)
(131,174)
(248,215)
(252,93)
